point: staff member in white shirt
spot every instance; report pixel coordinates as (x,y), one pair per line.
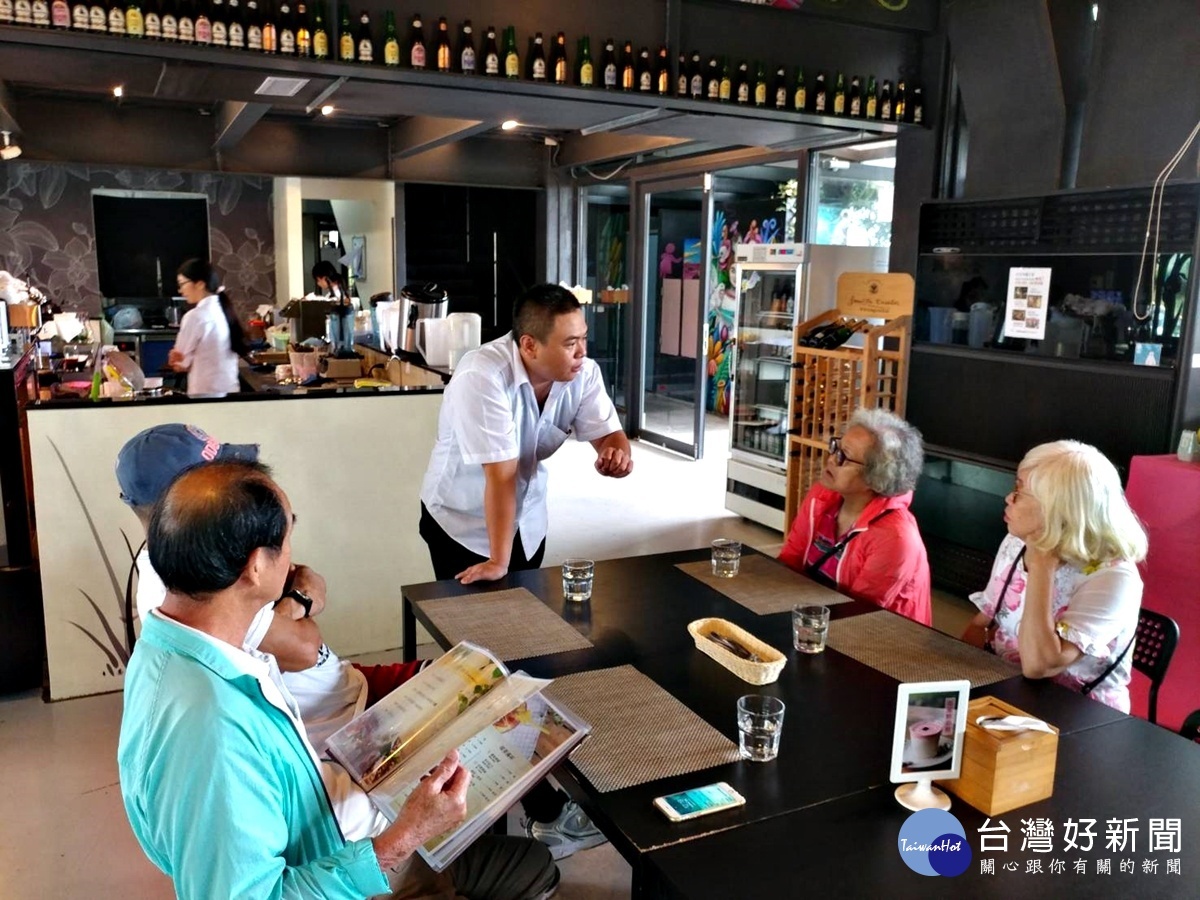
(210,335)
(510,405)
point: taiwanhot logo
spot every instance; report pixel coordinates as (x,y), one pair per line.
(933,842)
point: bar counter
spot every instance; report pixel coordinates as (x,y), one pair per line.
(352,470)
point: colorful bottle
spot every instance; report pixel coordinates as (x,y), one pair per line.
(466,49)
(320,33)
(443,53)
(839,95)
(609,64)
(237,26)
(558,59)
(872,104)
(391,43)
(512,59)
(537,59)
(135,22)
(662,72)
(416,44)
(760,84)
(628,70)
(587,70)
(491,53)
(346,49)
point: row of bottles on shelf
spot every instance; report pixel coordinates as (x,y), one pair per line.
(278,28)
(831,335)
(719,81)
(765,440)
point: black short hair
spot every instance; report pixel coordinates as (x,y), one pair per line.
(535,310)
(325,269)
(201,540)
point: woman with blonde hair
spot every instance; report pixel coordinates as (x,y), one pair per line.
(1064,593)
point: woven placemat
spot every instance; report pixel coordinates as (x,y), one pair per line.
(764,586)
(899,647)
(639,733)
(512,624)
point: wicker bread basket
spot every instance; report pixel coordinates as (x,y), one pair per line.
(763,672)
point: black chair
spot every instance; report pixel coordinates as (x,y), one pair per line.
(1157,636)
(1191,727)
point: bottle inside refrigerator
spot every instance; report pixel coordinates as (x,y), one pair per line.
(778,286)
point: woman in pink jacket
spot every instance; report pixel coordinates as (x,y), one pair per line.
(854,532)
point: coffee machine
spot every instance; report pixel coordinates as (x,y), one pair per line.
(427,300)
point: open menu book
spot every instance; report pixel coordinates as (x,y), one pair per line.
(508,736)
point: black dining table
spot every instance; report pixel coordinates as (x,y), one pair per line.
(830,780)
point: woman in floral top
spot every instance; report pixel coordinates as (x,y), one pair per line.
(1064,593)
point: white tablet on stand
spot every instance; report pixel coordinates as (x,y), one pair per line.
(931,720)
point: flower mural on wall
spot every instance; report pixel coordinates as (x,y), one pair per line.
(249,270)
(47,231)
(73,268)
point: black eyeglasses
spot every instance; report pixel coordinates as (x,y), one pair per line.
(839,455)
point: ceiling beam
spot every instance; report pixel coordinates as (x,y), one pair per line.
(234,119)
(8,110)
(420,134)
(580,150)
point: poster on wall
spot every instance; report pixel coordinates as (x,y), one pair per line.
(1026,301)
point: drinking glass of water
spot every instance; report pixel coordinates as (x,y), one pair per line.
(726,557)
(577,579)
(810,625)
(760,725)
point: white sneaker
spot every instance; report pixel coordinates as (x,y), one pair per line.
(571,832)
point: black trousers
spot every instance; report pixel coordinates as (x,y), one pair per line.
(449,557)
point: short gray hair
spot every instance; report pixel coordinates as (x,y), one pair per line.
(893,464)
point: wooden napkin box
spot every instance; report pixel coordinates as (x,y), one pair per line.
(1003,770)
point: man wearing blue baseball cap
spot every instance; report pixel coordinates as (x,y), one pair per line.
(328,691)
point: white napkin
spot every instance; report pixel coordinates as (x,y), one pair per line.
(1013,723)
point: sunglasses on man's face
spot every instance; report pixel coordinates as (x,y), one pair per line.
(839,455)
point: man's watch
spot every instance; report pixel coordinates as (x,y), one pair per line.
(300,597)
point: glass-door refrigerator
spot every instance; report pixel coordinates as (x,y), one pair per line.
(777,287)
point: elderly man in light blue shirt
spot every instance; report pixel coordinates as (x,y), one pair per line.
(509,406)
(221,787)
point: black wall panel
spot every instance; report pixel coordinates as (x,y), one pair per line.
(1008,76)
(997,407)
(1144,92)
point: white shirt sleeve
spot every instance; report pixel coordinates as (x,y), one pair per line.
(191,332)
(1102,607)
(481,418)
(597,417)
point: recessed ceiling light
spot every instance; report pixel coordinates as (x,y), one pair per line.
(8,150)
(118,92)
(510,124)
(327,110)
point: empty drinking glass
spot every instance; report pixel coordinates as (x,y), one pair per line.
(810,625)
(577,579)
(726,557)
(760,725)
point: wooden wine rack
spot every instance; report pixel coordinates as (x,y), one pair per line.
(829,385)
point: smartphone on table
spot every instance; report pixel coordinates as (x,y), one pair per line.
(698,802)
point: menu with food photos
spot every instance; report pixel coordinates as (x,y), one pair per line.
(507,735)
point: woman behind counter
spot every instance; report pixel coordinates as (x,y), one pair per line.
(331,286)
(210,335)
(1063,597)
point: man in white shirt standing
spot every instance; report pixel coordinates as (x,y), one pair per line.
(509,406)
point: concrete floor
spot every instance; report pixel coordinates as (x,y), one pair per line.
(63,831)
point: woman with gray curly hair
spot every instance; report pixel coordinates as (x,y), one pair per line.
(854,531)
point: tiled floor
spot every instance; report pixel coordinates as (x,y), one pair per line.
(63,831)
